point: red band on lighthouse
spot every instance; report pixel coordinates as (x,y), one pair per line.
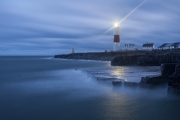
(116,38)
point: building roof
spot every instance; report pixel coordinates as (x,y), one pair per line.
(169,45)
(148,45)
(176,44)
(163,45)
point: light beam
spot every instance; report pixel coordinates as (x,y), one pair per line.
(132,11)
(127,15)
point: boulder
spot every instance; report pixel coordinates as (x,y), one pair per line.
(177,70)
(167,69)
(174,82)
(117,82)
(154,80)
(175,77)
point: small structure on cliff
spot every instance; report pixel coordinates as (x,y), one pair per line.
(73,51)
(148,46)
(127,47)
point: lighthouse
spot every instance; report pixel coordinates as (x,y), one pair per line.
(116,44)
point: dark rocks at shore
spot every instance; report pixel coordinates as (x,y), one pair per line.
(104,56)
(125,60)
(154,80)
(175,77)
(145,60)
(175,83)
(117,82)
(139,57)
(167,69)
(168,60)
(177,69)
(149,58)
(88,56)
(157,60)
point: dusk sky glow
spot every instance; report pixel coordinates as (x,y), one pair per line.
(49,27)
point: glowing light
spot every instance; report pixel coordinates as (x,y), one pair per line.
(116,25)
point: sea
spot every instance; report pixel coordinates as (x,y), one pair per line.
(45,88)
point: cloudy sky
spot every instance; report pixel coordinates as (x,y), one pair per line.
(48,27)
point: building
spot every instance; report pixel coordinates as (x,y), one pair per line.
(148,46)
(116,42)
(169,46)
(128,47)
(176,45)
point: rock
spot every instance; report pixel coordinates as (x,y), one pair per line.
(106,78)
(131,84)
(158,59)
(139,57)
(177,70)
(175,77)
(178,62)
(167,69)
(117,82)
(154,80)
(174,82)
(125,60)
(149,60)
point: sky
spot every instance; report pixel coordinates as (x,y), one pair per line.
(49,27)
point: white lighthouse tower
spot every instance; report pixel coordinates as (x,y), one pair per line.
(116,44)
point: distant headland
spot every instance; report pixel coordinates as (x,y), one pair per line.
(137,57)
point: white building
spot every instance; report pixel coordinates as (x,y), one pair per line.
(148,46)
(178,45)
(127,47)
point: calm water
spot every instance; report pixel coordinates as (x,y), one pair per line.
(41,88)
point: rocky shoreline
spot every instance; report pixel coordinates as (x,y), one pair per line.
(141,58)
(104,56)
(151,58)
(169,60)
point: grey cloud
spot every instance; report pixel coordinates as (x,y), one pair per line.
(56,26)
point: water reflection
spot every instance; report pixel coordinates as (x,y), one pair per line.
(119,106)
(126,103)
(133,73)
(118,72)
